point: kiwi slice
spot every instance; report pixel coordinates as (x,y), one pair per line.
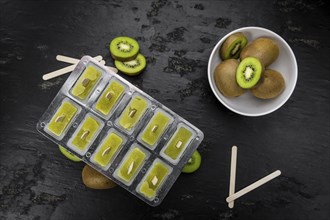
(271,85)
(233,46)
(68,154)
(124,48)
(263,48)
(249,72)
(95,180)
(225,78)
(193,163)
(133,67)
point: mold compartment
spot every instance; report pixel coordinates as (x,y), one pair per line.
(154,179)
(110,97)
(156,127)
(86,83)
(62,119)
(131,165)
(133,112)
(108,150)
(85,134)
(178,143)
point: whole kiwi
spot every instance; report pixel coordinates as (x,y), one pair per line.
(225,78)
(271,85)
(95,180)
(264,48)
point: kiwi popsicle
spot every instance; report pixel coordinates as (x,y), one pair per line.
(177,144)
(133,112)
(154,178)
(86,82)
(108,150)
(109,97)
(131,165)
(62,118)
(155,128)
(85,134)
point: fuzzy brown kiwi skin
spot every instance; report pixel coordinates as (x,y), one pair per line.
(228,42)
(271,85)
(225,78)
(95,180)
(263,48)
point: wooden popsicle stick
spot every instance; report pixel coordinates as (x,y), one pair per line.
(66,59)
(130,168)
(113,69)
(232,174)
(154,180)
(102,62)
(253,186)
(59,72)
(106,151)
(71,60)
(64,70)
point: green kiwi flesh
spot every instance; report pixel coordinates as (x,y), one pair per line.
(233,46)
(225,78)
(249,72)
(68,154)
(271,85)
(264,48)
(124,48)
(193,163)
(132,67)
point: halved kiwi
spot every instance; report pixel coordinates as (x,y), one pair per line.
(249,72)
(124,48)
(133,67)
(233,46)
(193,163)
(225,78)
(68,154)
(271,86)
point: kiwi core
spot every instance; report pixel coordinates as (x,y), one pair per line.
(236,49)
(132,63)
(124,46)
(248,73)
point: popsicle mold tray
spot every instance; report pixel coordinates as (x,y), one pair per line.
(120,131)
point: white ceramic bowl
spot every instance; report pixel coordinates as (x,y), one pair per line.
(247,104)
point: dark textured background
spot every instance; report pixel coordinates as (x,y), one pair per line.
(177,37)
